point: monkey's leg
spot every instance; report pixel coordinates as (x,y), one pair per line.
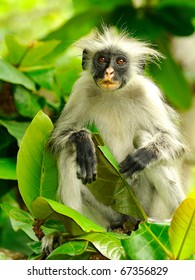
(69,186)
(76,166)
(167,184)
(101,214)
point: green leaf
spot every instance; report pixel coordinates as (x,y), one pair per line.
(66,33)
(36,168)
(96,4)
(144,26)
(71,248)
(28,104)
(192,194)
(15,48)
(16,129)
(8,168)
(177,20)
(182,230)
(171,79)
(107,244)
(106,152)
(110,186)
(43,208)
(176,3)
(7,140)
(36,247)
(70,70)
(37,52)
(44,77)
(51,226)
(12,75)
(149,242)
(20,219)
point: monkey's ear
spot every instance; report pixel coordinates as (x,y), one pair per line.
(84,59)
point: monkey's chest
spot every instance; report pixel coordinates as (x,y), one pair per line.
(117,130)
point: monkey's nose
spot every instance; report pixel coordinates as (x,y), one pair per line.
(109,73)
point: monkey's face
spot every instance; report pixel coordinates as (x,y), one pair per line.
(110,69)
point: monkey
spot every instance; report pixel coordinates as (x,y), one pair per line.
(133,118)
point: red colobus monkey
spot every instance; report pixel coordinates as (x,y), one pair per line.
(136,124)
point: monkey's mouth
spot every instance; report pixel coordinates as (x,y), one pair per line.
(109,85)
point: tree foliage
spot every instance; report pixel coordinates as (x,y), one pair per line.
(36,76)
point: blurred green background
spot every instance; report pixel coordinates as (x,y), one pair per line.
(38,67)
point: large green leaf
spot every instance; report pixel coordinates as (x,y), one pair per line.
(27,103)
(8,168)
(37,52)
(36,169)
(71,248)
(20,219)
(16,129)
(176,3)
(182,230)
(110,187)
(176,19)
(149,242)
(43,76)
(12,75)
(143,26)
(7,141)
(94,4)
(171,79)
(15,48)
(106,243)
(66,33)
(74,222)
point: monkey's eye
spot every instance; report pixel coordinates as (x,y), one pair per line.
(101,60)
(120,61)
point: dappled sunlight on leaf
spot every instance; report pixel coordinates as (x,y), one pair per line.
(182,230)
(149,242)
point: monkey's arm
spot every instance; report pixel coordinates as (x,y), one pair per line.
(76,145)
(158,140)
(70,141)
(163,147)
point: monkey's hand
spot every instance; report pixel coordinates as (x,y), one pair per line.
(85,156)
(136,161)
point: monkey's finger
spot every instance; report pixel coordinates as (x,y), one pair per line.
(137,161)
(86,169)
(126,164)
(91,168)
(130,165)
(133,170)
(94,176)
